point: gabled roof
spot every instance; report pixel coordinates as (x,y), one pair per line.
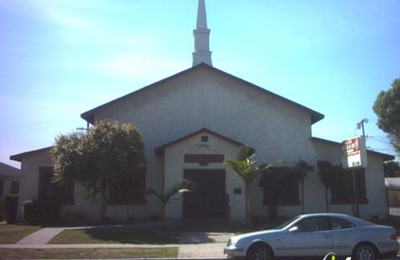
(385,157)
(89,115)
(9,171)
(18,157)
(161,149)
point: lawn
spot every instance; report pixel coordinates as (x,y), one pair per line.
(115,235)
(10,234)
(92,253)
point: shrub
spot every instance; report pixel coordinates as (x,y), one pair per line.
(40,211)
(11,207)
(2,210)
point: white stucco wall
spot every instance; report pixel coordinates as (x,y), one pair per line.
(29,181)
(374,179)
(205,98)
(82,208)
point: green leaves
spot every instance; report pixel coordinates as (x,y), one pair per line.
(387,108)
(99,159)
(181,187)
(246,164)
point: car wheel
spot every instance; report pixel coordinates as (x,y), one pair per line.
(260,252)
(365,252)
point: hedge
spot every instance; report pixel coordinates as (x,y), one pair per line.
(40,211)
(11,207)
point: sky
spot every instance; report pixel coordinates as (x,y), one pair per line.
(61,58)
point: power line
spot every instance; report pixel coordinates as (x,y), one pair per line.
(30,125)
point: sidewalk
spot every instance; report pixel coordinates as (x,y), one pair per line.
(196,245)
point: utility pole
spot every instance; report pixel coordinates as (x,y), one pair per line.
(355,177)
(361,125)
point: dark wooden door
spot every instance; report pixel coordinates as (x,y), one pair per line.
(209,199)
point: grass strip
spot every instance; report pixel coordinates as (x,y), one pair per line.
(11,234)
(89,253)
(115,235)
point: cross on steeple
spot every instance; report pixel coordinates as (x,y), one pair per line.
(201,37)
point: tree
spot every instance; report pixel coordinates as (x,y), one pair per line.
(327,178)
(387,108)
(391,169)
(275,180)
(100,159)
(303,169)
(340,183)
(245,166)
(181,187)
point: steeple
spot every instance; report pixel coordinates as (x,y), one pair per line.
(201,37)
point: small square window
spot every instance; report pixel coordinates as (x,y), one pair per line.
(204,138)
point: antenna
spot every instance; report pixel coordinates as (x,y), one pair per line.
(82,129)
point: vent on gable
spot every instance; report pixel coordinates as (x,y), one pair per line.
(204,138)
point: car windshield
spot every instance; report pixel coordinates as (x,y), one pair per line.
(286,223)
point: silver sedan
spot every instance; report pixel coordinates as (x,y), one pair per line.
(316,235)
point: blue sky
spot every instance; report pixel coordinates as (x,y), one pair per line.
(60,58)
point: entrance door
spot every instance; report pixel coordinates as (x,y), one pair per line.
(209,199)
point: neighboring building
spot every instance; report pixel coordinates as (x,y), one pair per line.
(193,121)
(9,180)
(393,196)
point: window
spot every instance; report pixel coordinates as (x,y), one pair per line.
(289,194)
(14,187)
(129,191)
(313,224)
(204,138)
(343,187)
(48,189)
(280,187)
(338,223)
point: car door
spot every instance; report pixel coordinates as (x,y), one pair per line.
(343,232)
(309,237)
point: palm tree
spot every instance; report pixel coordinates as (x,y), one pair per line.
(181,187)
(245,167)
(304,168)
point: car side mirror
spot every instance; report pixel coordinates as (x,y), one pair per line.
(294,229)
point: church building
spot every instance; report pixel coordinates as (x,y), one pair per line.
(192,122)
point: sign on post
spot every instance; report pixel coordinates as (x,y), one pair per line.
(354,153)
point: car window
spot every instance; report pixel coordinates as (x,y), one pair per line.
(286,223)
(338,223)
(313,224)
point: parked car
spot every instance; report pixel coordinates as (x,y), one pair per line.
(313,235)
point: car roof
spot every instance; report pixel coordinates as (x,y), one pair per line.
(338,215)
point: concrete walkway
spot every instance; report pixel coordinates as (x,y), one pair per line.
(40,237)
(196,245)
(193,245)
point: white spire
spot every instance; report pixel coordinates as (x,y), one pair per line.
(201,37)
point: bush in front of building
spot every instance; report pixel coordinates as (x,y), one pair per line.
(11,207)
(2,210)
(40,211)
